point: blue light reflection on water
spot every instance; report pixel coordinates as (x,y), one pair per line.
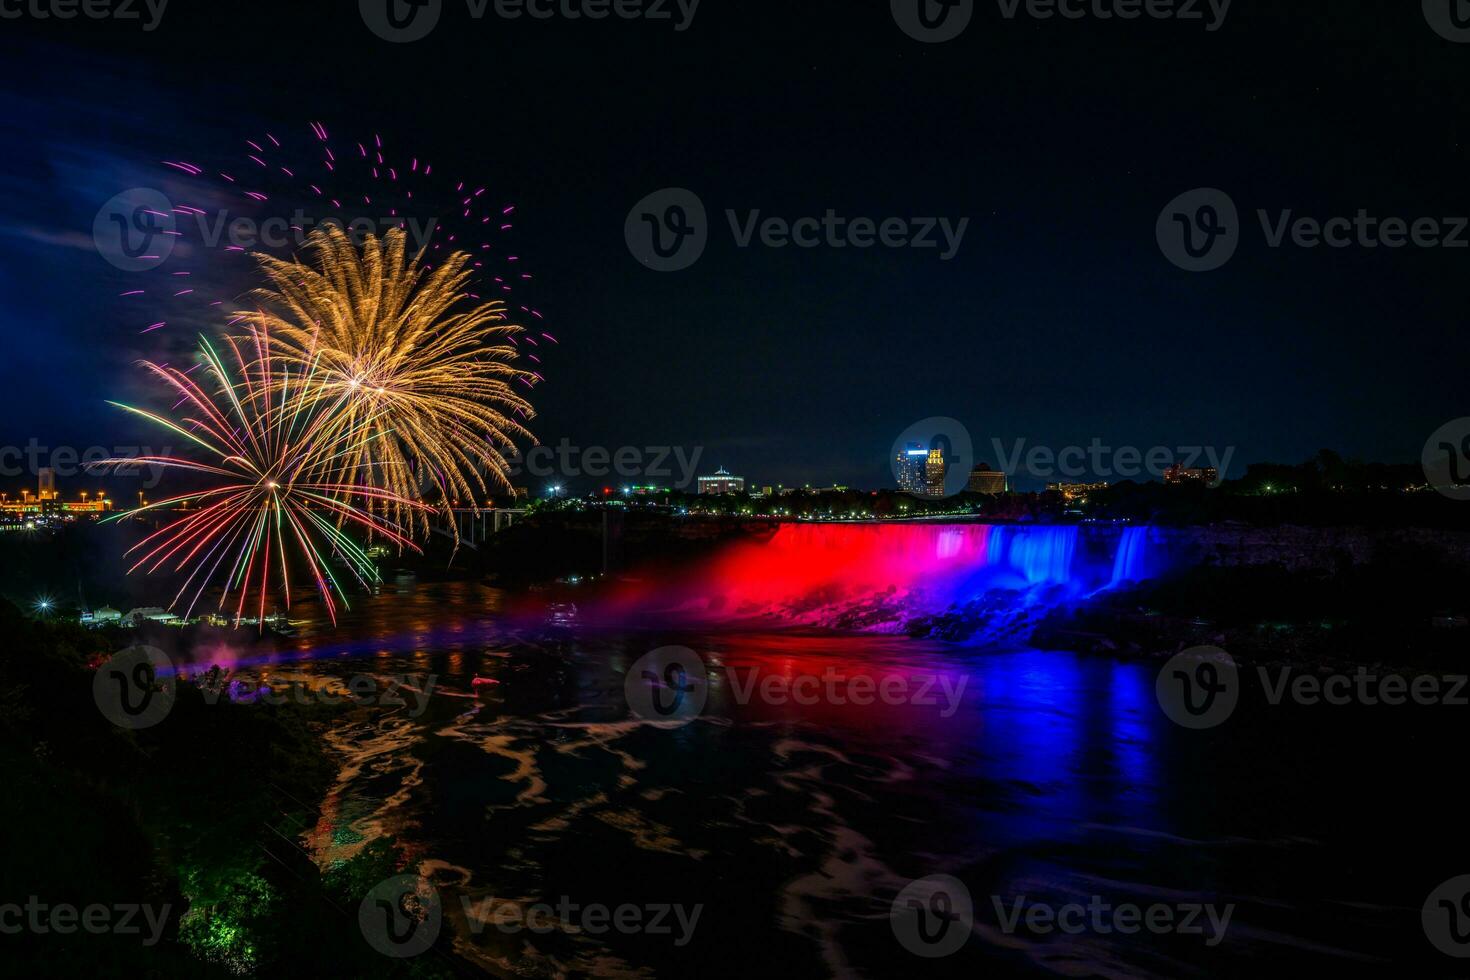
(1057,776)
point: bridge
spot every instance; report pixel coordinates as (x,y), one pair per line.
(472,527)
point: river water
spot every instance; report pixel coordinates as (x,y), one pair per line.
(1033,777)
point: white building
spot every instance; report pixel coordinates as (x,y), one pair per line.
(721,482)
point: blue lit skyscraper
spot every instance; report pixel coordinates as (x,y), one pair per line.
(911,468)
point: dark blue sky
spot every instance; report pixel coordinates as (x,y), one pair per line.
(1058,321)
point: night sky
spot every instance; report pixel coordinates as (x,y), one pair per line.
(1058,321)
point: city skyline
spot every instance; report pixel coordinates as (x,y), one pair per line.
(1011,305)
(698,488)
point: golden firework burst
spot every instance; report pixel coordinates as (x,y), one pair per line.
(424,367)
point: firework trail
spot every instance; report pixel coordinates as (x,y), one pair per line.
(416,363)
(276,498)
(300,182)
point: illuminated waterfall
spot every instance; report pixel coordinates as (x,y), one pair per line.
(884,577)
(1132,561)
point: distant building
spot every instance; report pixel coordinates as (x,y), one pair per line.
(100,617)
(1207,475)
(47,482)
(48,503)
(983,479)
(1074,492)
(910,468)
(935,468)
(721,482)
(146,614)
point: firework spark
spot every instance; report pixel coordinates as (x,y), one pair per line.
(277,498)
(301,182)
(415,361)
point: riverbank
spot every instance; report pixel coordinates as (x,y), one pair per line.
(195,820)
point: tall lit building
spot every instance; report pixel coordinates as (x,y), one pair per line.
(721,482)
(983,479)
(47,488)
(909,467)
(934,470)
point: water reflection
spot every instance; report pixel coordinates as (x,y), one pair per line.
(1048,775)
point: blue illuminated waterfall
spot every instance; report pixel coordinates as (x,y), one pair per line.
(885,576)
